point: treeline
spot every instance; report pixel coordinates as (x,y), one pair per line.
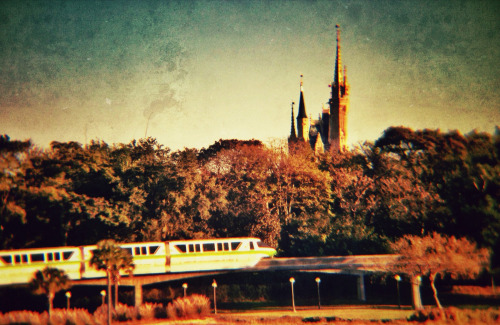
(407,182)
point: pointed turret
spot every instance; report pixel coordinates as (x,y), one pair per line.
(302,123)
(337,75)
(302,105)
(293,135)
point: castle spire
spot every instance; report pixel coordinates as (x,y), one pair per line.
(302,122)
(302,105)
(293,135)
(337,78)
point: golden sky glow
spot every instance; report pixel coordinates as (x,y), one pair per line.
(191,72)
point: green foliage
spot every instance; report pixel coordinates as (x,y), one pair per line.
(110,257)
(48,282)
(436,255)
(149,311)
(13,165)
(407,183)
(113,259)
(71,317)
(463,171)
(457,316)
(121,313)
(24,317)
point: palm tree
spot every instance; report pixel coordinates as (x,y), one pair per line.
(124,263)
(48,282)
(110,257)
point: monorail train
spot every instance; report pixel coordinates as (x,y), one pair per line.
(18,266)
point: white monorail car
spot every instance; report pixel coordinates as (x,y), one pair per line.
(217,254)
(18,266)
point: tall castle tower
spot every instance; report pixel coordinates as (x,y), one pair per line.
(329,132)
(339,104)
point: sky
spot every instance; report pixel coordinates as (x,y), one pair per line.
(189,73)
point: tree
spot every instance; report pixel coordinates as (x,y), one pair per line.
(243,200)
(436,255)
(464,171)
(301,193)
(13,165)
(48,282)
(374,199)
(110,257)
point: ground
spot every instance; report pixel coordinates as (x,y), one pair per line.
(364,315)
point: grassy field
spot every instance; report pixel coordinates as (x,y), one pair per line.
(343,312)
(338,315)
(303,315)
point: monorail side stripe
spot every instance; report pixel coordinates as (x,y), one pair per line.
(201,254)
(38,264)
(145,257)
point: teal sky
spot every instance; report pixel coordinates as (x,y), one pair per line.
(191,72)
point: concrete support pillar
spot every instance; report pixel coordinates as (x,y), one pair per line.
(361,287)
(138,294)
(416,301)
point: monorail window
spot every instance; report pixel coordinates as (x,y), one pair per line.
(7,259)
(53,256)
(67,255)
(37,257)
(181,248)
(153,249)
(251,245)
(141,250)
(21,258)
(262,245)
(222,247)
(129,250)
(194,248)
(235,245)
(209,247)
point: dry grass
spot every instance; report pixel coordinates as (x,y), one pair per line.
(194,306)
(340,315)
(475,291)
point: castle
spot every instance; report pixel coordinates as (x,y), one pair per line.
(329,132)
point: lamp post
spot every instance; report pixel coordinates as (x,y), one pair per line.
(103,294)
(318,280)
(398,279)
(68,296)
(292,281)
(214,285)
(185,286)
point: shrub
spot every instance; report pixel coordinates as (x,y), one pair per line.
(194,306)
(71,317)
(121,313)
(24,317)
(151,311)
(456,315)
(101,314)
(311,320)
